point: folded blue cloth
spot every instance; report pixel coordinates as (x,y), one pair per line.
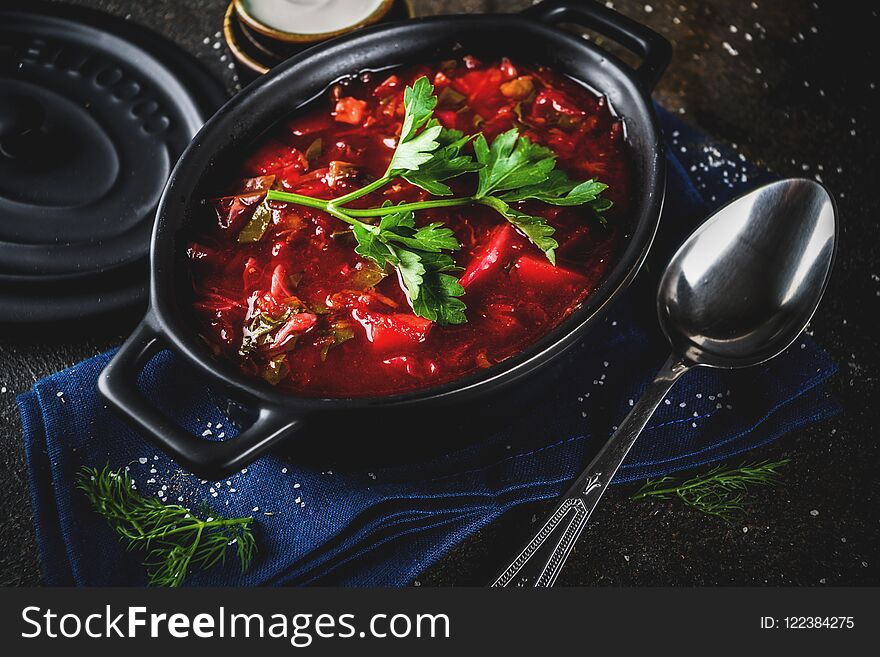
(381,525)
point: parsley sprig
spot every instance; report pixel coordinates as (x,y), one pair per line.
(509,170)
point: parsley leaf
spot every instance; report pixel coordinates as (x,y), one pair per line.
(511,162)
(445,163)
(411,271)
(422,267)
(369,245)
(439,300)
(558,189)
(539,232)
(414,148)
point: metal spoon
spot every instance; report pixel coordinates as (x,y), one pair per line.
(738,292)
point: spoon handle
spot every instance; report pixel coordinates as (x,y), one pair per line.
(541,559)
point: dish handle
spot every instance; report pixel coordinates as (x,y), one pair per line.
(206,458)
(654,50)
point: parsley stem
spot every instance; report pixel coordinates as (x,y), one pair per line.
(363,191)
(348,214)
(311,202)
(411,207)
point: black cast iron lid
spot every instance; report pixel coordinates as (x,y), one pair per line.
(94,112)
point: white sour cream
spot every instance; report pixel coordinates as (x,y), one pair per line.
(310,16)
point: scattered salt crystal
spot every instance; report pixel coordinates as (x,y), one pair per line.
(142,460)
(814,512)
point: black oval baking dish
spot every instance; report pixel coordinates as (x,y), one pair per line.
(532,36)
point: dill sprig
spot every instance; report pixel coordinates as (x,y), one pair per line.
(176,540)
(718,492)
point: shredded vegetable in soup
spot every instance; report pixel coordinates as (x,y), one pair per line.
(411,227)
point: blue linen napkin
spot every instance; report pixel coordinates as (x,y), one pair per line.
(381,525)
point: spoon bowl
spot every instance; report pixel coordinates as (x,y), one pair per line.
(745,284)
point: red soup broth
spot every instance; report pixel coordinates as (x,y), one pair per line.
(355,334)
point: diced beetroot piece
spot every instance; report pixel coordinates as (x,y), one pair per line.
(577,241)
(539,272)
(448,119)
(551,106)
(390,86)
(299,323)
(350,110)
(491,258)
(392,331)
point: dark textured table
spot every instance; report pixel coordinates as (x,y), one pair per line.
(784,81)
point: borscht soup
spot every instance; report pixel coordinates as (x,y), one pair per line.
(410,227)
